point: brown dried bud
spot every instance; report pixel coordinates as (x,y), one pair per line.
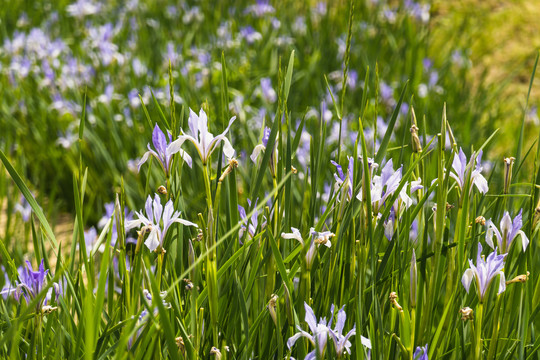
(189,284)
(520,278)
(294,170)
(47,309)
(480,220)
(466,313)
(162,190)
(215,351)
(393,300)
(449,207)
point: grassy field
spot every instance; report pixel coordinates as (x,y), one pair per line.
(269,180)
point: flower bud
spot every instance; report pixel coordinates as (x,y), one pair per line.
(47,309)
(520,278)
(393,300)
(508,165)
(413,279)
(272,305)
(480,220)
(466,313)
(215,351)
(415,140)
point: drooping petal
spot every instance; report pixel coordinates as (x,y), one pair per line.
(467,279)
(171,150)
(256,152)
(492,230)
(480,181)
(502,283)
(145,159)
(292,340)
(152,242)
(294,235)
(524,240)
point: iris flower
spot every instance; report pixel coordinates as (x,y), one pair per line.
(385,185)
(31,284)
(421,353)
(204,141)
(341,342)
(253,222)
(159,219)
(341,177)
(322,329)
(509,231)
(317,239)
(262,148)
(463,169)
(319,337)
(164,150)
(485,272)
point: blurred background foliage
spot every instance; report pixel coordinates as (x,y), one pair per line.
(475,56)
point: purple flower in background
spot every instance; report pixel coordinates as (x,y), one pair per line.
(164,150)
(249,34)
(485,272)
(262,148)
(253,221)
(509,231)
(261,8)
(82,8)
(427,63)
(31,284)
(421,353)
(24,208)
(387,93)
(158,219)
(340,177)
(268,92)
(90,238)
(204,141)
(463,169)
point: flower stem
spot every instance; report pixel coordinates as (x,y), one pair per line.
(478,332)
(211,261)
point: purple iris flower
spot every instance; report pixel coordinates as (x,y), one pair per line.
(341,342)
(319,337)
(109,212)
(268,92)
(159,219)
(31,284)
(24,208)
(253,221)
(421,353)
(341,177)
(320,332)
(261,8)
(509,231)
(204,141)
(463,169)
(164,150)
(249,34)
(485,272)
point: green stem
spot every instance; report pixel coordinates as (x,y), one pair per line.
(478,332)
(211,261)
